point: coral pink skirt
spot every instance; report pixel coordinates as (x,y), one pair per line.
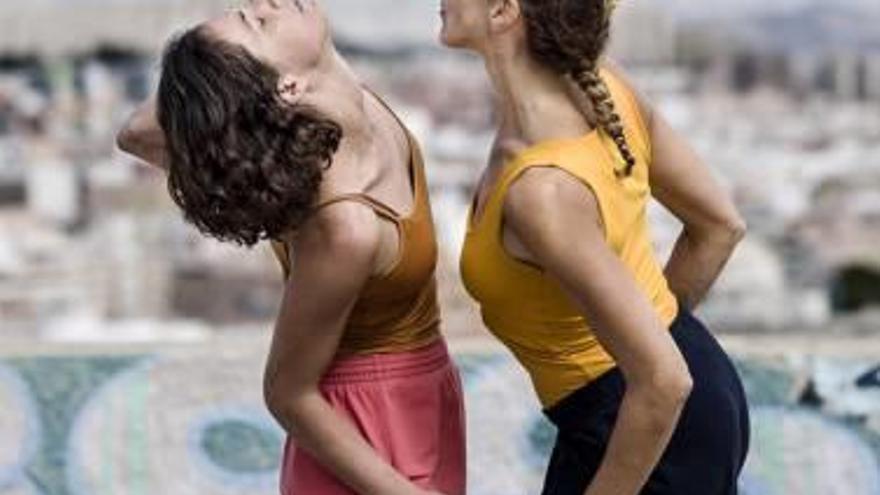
(407,405)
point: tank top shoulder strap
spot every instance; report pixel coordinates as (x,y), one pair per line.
(630,112)
(281,250)
(416,163)
(381,209)
(551,154)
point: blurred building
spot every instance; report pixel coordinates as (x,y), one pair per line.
(89,235)
(846,209)
(36,26)
(644,33)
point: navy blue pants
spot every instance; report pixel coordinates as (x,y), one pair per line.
(707,449)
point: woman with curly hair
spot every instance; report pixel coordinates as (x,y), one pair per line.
(266,133)
(559,256)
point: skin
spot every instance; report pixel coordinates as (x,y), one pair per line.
(338,249)
(552,221)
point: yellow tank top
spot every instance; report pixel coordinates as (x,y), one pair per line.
(397,311)
(527,310)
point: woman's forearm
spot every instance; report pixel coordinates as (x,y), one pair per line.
(334,442)
(697,260)
(645,423)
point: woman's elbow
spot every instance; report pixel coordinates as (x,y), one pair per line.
(279,405)
(724,231)
(275,406)
(674,386)
(680,388)
(669,390)
(128,140)
(290,408)
(735,228)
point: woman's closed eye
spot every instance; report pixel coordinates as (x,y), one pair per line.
(249,22)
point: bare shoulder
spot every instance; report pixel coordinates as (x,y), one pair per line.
(346,231)
(544,195)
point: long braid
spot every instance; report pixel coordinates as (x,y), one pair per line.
(570,37)
(607,118)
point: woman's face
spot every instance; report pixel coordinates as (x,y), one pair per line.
(465,23)
(290,35)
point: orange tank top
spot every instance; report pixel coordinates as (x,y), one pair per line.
(398,310)
(528,311)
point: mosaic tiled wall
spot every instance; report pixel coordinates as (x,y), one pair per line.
(180,423)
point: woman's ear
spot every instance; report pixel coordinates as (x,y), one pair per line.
(503,15)
(291,89)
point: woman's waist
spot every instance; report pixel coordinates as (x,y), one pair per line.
(558,334)
(387,327)
(555,376)
(561,355)
(416,358)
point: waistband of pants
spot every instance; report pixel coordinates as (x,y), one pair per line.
(432,357)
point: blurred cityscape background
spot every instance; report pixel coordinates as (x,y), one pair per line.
(101,279)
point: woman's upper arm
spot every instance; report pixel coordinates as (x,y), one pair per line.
(335,254)
(684,184)
(679,179)
(557,219)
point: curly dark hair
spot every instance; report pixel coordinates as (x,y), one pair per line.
(570,36)
(244,165)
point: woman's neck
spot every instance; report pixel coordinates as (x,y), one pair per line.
(341,99)
(534,103)
(346,105)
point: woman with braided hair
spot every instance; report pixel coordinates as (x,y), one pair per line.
(559,256)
